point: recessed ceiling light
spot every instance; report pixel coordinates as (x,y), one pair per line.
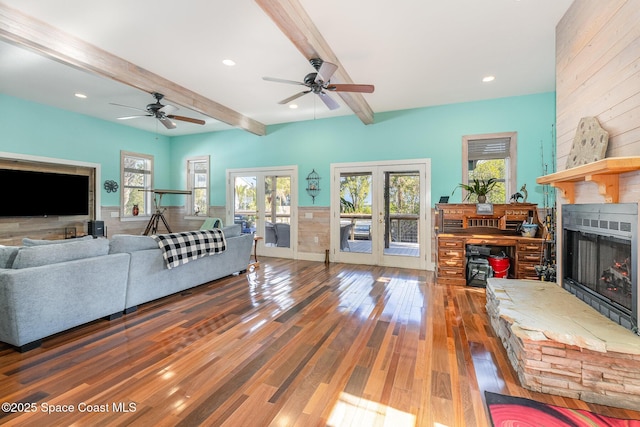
(228,62)
(488,79)
(81,95)
(293,106)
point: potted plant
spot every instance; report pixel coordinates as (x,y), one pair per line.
(479,187)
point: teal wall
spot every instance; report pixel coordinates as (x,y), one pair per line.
(434,132)
(39,130)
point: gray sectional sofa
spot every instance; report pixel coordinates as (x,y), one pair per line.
(48,288)
(150,279)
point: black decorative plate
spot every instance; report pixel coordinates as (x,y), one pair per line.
(111,186)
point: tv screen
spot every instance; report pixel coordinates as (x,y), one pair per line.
(30,193)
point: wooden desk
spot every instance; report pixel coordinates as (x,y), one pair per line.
(460,225)
(524,253)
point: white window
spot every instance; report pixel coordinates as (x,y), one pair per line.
(136,176)
(198,184)
(491,156)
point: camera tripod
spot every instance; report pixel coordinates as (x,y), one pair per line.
(158,215)
(152,226)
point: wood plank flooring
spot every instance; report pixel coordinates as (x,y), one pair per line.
(294,343)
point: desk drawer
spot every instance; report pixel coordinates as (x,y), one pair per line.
(529,247)
(453,276)
(451,281)
(451,263)
(526,270)
(450,253)
(534,257)
(450,243)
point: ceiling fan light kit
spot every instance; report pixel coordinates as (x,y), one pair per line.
(319,82)
(164,113)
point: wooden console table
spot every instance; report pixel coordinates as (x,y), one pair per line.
(458,225)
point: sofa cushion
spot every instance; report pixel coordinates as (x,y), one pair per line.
(8,255)
(37,242)
(34,256)
(232,230)
(127,243)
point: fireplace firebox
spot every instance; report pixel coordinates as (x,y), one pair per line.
(600,258)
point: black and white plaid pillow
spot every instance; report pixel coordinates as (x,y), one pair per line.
(180,248)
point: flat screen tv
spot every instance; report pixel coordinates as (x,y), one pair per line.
(30,193)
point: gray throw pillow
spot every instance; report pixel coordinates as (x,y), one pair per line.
(37,242)
(34,256)
(232,230)
(127,243)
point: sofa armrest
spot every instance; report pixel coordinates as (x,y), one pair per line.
(40,301)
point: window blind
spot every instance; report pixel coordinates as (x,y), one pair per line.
(486,149)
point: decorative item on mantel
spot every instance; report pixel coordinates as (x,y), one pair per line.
(587,162)
(313,185)
(589,144)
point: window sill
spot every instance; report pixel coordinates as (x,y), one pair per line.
(135,218)
(195,217)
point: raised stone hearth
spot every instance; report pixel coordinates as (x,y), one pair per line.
(559,345)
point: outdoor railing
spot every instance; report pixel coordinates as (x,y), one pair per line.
(403,227)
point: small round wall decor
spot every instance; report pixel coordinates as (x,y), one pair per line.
(111,186)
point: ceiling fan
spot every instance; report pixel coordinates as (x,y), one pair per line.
(164,113)
(320,82)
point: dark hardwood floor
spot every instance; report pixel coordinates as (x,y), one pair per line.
(292,343)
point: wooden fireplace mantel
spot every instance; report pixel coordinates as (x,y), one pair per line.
(605,173)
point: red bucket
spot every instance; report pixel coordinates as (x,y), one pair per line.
(500,265)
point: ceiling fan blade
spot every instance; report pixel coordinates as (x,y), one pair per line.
(134,117)
(187,119)
(127,106)
(168,109)
(167,122)
(328,101)
(350,88)
(296,96)
(326,71)
(291,82)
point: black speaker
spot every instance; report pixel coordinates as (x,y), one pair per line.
(96,228)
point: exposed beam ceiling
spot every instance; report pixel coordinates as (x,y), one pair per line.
(23,30)
(295,23)
(417,54)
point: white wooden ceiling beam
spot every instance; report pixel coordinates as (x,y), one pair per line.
(295,23)
(51,42)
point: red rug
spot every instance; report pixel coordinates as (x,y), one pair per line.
(508,411)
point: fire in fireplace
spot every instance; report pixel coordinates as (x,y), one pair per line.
(600,258)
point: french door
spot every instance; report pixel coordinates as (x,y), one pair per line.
(264,203)
(380,213)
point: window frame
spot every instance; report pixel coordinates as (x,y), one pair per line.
(190,161)
(149,208)
(510,161)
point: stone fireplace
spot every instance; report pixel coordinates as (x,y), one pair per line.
(586,347)
(599,254)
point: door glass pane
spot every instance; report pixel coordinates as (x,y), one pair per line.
(401,213)
(355,212)
(277,202)
(245,203)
